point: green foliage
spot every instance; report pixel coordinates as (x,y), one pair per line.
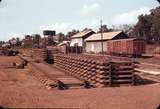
(158,1)
(148,26)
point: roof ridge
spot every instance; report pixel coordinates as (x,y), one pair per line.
(106,36)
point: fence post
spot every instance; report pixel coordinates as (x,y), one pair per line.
(110,74)
(133,74)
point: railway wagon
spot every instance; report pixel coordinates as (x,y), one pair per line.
(127,47)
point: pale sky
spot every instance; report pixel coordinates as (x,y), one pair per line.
(20,17)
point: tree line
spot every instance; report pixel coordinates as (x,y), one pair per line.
(148,27)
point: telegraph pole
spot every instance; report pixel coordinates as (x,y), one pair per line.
(101,22)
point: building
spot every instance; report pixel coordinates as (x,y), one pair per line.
(78,39)
(62,47)
(94,42)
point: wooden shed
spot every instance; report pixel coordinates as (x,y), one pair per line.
(78,39)
(94,42)
(63,47)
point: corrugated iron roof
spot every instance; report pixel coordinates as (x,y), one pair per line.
(129,39)
(106,36)
(82,34)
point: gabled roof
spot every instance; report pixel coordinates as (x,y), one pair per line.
(82,34)
(106,36)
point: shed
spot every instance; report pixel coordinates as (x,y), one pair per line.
(63,47)
(78,39)
(94,42)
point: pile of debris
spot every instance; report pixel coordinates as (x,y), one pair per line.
(20,65)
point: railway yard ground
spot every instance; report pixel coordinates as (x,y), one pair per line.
(150,64)
(19,89)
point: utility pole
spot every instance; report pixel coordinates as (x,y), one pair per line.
(101,22)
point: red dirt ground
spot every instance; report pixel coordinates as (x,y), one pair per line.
(18,89)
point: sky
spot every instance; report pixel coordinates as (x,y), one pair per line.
(21,17)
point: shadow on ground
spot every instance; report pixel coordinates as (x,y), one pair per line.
(143,81)
(147,57)
(1,107)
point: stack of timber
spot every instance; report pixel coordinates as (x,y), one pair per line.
(85,68)
(97,70)
(52,77)
(48,56)
(37,54)
(122,73)
(42,77)
(42,54)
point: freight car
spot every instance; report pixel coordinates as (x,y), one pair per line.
(127,47)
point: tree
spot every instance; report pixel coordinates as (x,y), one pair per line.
(18,42)
(126,28)
(103,28)
(61,37)
(148,26)
(36,40)
(158,1)
(71,33)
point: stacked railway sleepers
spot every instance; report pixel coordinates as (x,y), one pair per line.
(44,54)
(36,72)
(44,79)
(37,54)
(122,73)
(48,56)
(97,70)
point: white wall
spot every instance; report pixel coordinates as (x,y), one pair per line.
(77,40)
(96,47)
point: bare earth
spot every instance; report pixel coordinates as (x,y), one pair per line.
(19,89)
